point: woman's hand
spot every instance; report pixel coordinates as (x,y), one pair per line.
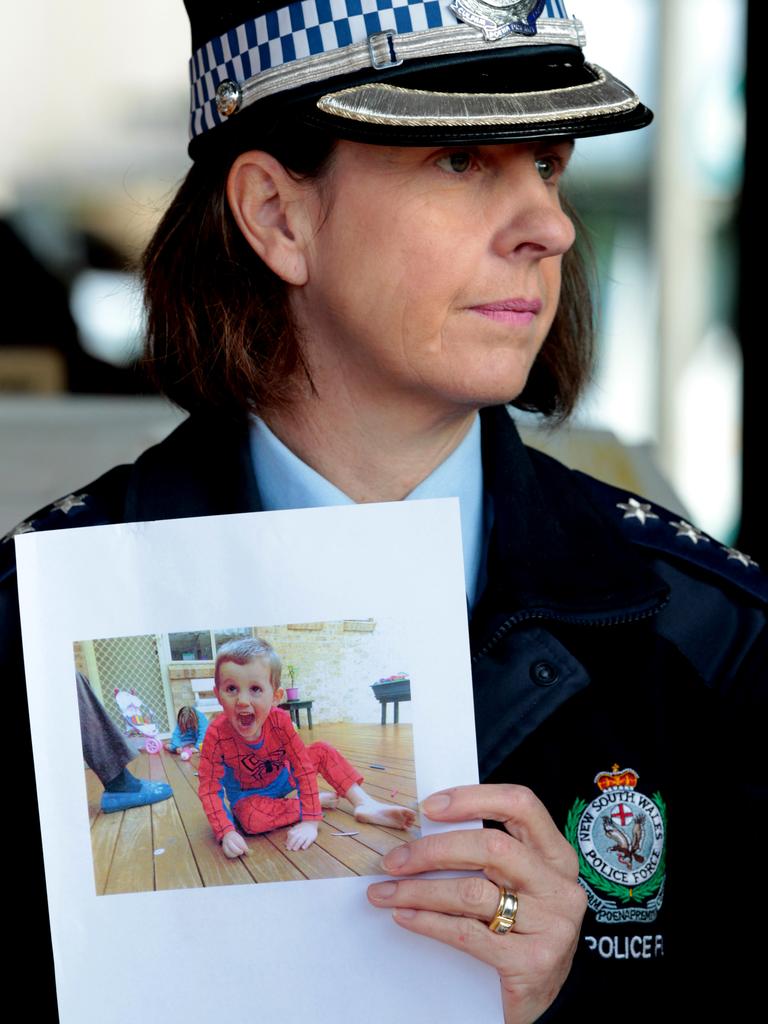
(234,845)
(531,859)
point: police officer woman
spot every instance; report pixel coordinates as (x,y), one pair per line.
(368,261)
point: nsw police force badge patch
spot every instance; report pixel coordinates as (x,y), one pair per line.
(620,838)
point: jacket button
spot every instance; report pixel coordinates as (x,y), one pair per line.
(544,673)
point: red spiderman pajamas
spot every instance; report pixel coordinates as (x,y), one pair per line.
(248,783)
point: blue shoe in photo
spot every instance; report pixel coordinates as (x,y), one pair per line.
(149,793)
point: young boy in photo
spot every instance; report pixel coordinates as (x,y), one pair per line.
(256,774)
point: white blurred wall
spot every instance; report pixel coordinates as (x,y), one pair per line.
(95,86)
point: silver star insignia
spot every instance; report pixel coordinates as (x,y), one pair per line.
(71,501)
(634,509)
(18,530)
(739,556)
(686,530)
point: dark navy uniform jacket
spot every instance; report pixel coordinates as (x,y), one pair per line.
(620,668)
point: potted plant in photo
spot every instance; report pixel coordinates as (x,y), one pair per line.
(292,691)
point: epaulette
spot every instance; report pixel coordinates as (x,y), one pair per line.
(655,527)
(97,504)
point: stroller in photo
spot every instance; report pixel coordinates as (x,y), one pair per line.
(139,722)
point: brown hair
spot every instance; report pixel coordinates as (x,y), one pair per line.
(219,330)
(187,719)
(242,651)
(564,364)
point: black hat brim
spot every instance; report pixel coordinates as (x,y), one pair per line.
(498,97)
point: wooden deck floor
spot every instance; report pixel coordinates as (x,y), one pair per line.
(169,845)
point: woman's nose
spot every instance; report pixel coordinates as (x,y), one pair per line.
(535,224)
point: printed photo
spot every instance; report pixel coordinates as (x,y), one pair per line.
(259,753)
(222,703)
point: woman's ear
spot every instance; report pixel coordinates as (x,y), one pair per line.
(274,213)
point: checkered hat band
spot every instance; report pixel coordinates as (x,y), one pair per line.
(305,29)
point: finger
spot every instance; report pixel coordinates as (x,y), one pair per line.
(232,851)
(532,968)
(504,860)
(298,842)
(472,896)
(524,816)
(240,846)
(466,934)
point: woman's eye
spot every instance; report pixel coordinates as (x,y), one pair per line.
(547,167)
(455,163)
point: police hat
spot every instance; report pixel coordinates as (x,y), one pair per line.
(399,72)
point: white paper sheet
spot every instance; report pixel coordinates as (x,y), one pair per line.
(290,951)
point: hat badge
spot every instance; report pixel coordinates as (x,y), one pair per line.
(499,18)
(229,96)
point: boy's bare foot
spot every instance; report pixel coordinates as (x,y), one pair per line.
(390,815)
(329,800)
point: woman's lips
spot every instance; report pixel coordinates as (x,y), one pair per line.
(509,311)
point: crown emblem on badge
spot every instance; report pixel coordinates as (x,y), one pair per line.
(499,18)
(616,778)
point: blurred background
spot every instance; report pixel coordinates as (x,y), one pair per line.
(94,143)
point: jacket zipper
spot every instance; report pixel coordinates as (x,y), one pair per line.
(571,620)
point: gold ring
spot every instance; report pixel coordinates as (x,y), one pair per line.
(506,912)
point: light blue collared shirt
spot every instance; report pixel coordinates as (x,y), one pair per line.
(284,482)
